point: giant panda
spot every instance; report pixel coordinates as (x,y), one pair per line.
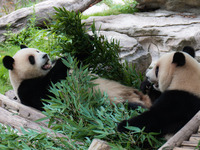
(149,89)
(177,76)
(31,73)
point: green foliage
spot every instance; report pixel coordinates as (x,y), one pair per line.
(77,112)
(94,50)
(107,2)
(30,36)
(127,8)
(25,36)
(25,3)
(198,146)
(4,77)
(9,6)
(85,114)
(115,9)
(33,36)
(10,139)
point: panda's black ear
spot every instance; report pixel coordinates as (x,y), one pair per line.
(179,59)
(8,62)
(189,50)
(23,46)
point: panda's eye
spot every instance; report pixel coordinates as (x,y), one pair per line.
(157,70)
(31,60)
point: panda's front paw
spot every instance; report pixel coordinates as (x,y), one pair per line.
(121,126)
(145,86)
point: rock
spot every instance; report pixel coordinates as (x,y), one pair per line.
(131,50)
(158,32)
(173,5)
(43,12)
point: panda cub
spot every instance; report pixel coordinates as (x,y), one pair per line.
(31,74)
(177,76)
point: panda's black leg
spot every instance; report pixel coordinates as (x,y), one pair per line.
(134,106)
(121,126)
(148,120)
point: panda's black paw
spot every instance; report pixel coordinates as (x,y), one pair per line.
(134,106)
(121,126)
(145,86)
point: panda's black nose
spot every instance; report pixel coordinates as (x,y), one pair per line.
(45,56)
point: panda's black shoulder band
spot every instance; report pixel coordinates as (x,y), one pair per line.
(179,59)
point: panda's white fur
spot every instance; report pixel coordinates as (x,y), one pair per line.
(152,90)
(177,76)
(27,77)
(171,77)
(119,93)
(22,68)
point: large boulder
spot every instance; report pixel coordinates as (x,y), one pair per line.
(131,50)
(158,32)
(172,5)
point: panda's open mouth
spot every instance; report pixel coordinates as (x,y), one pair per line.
(156,86)
(47,65)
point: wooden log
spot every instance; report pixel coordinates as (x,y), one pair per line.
(22,110)
(99,145)
(16,122)
(24,118)
(42,11)
(183,148)
(183,134)
(187,148)
(195,137)
(190,143)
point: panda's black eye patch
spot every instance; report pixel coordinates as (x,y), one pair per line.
(31,60)
(157,70)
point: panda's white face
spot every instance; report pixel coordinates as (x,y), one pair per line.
(176,70)
(30,63)
(161,73)
(27,63)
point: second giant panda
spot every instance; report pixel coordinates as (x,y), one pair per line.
(177,76)
(31,73)
(148,88)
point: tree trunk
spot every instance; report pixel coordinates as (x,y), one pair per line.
(43,11)
(21,120)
